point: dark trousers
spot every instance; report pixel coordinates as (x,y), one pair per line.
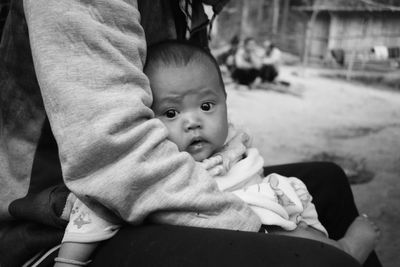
(245,76)
(268,73)
(162,245)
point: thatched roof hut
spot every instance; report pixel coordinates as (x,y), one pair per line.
(353,5)
(353,26)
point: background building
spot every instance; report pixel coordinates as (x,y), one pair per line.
(344,31)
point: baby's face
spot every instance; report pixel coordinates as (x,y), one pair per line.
(191,103)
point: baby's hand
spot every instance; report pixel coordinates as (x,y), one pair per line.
(214,166)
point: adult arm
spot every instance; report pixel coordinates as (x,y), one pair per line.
(88,58)
(274,58)
(252,60)
(240,60)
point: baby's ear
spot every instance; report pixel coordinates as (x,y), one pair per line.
(243,138)
(246,139)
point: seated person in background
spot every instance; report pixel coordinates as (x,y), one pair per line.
(226,55)
(252,62)
(270,62)
(190,99)
(247,62)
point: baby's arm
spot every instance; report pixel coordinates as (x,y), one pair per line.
(309,214)
(75,254)
(83,233)
(304,231)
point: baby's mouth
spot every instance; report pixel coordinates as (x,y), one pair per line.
(196,144)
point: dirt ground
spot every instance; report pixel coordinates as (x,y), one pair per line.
(355,125)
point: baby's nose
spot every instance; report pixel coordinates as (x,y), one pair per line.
(192,122)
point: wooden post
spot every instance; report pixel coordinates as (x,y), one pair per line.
(309,38)
(245,28)
(275,18)
(251,18)
(351,65)
(285,15)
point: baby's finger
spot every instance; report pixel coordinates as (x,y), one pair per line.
(216,171)
(212,162)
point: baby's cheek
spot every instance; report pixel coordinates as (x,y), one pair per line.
(175,137)
(173,134)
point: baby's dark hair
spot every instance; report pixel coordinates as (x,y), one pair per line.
(179,53)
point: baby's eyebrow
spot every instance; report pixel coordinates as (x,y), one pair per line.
(208,91)
(170,100)
(166,102)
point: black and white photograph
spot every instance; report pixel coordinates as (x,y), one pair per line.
(200,133)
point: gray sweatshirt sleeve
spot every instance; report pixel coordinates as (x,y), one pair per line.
(88,59)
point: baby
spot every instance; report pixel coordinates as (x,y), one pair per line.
(189,98)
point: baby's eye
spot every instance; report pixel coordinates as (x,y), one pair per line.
(207,106)
(170,113)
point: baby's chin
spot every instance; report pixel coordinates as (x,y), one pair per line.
(200,156)
(200,150)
